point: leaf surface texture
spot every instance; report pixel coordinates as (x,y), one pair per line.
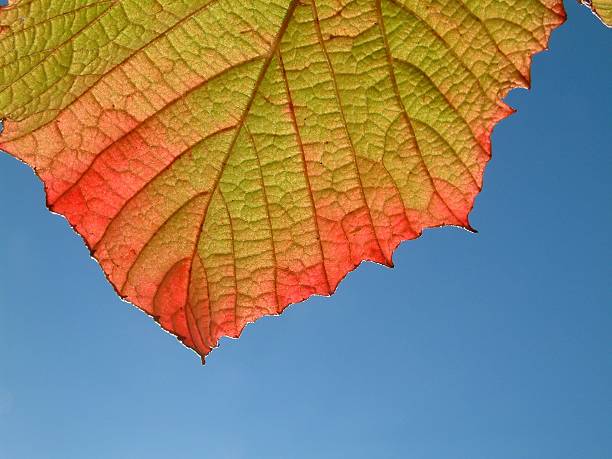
(602,9)
(223,159)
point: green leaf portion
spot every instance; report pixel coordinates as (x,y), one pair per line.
(223,159)
(602,9)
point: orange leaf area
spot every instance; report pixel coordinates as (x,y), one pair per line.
(223,159)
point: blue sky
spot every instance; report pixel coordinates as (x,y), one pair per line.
(489,346)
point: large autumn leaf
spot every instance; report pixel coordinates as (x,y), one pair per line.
(223,159)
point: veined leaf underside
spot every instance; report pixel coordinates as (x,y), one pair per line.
(223,159)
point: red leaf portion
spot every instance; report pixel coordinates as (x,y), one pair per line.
(227,164)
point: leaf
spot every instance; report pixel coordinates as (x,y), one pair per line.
(602,9)
(223,159)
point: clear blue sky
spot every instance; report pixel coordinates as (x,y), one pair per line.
(489,346)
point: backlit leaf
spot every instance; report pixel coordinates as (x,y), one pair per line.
(223,159)
(602,8)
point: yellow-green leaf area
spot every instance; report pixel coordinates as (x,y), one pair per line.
(602,9)
(223,159)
